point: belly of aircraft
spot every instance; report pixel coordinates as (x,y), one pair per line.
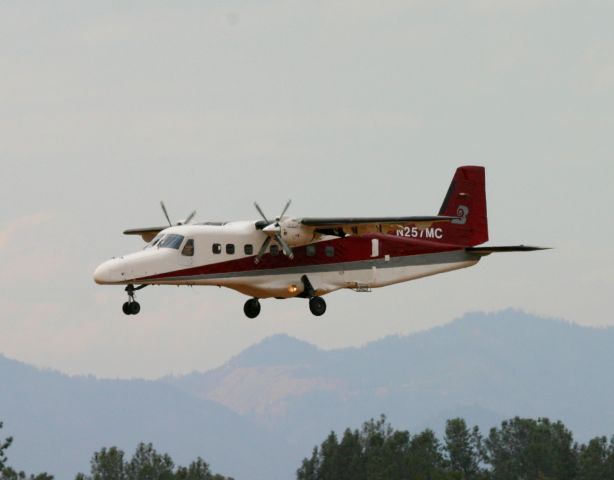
(287,283)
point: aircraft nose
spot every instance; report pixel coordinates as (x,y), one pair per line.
(106,273)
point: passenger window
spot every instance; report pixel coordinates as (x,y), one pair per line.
(311,250)
(329,251)
(217,248)
(248,249)
(188,248)
(230,248)
(274,250)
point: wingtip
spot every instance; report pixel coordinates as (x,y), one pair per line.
(535,248)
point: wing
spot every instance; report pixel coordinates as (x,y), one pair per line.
(147,234)
(340,222)
(361,225)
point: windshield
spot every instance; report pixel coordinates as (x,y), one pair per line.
(171,241)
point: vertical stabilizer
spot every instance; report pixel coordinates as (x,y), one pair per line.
(466,199)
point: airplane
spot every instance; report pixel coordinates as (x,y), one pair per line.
(309,257)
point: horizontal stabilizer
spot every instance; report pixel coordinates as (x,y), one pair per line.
(503,249)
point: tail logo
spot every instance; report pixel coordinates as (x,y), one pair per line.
(461,212)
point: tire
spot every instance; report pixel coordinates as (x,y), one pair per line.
(135,308)
(251,308)
(317,305)
(126,308)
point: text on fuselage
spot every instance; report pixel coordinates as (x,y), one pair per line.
(415,232)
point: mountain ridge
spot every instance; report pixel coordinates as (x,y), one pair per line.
(275,400)
(58,421)
(473,358)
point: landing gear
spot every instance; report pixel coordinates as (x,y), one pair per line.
(132,307)
(317,305)
(252,308)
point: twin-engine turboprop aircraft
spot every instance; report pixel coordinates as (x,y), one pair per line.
(310,257)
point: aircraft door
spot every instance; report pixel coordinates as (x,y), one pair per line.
(364,278)
(186,256)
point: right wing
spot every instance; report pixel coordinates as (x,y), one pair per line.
(340,222)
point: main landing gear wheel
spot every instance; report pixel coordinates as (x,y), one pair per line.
(317,305)
(252,308)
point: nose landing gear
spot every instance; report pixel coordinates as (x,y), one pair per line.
(132,307)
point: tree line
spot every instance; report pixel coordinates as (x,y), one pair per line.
(146,464)
(111,464)
(519,449)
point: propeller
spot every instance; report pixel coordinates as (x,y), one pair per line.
(185,221)
(170,224)
(273,229)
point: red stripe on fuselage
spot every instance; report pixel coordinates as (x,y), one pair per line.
(348,249)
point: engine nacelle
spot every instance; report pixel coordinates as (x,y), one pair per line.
(296,234)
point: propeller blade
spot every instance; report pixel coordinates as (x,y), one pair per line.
(166,214)
(262,250)
(190,217)
(261,212)
(286,248)
(284,210)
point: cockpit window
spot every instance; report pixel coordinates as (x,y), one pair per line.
(171,240)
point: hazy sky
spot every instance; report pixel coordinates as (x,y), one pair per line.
(347,107)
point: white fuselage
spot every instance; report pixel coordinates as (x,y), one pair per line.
(225,255)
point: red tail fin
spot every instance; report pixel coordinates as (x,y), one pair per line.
(466,198)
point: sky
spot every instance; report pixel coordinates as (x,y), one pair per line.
(346,107)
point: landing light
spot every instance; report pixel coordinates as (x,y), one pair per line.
(292,289)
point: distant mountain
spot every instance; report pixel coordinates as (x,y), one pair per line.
(484,367)
(59,421)
(260,413)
